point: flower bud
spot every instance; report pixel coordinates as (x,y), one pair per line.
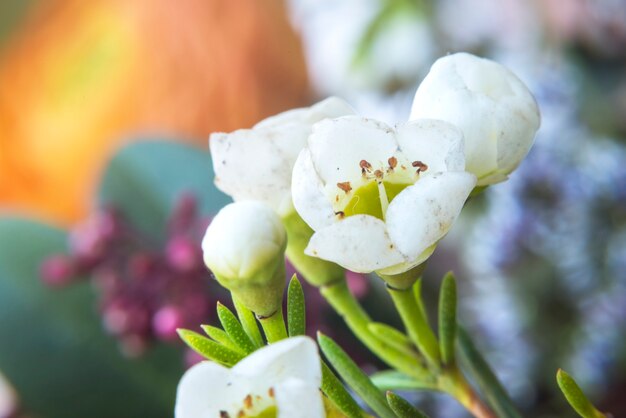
(493,108)
(244,248)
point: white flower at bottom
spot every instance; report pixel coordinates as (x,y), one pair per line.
(379,199)
(281,380)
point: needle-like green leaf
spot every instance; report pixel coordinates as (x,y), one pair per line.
(220,336)
(402,408)
(249,324)
(296,312)
(210,349)
(337,393)
(575,396)
(233,328)
(355,377)
(395,380)
(391,336)
(447,318)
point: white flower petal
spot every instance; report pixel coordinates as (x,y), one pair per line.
(495,110)
(242,239)
(436,143)
(208,388)
(295,357)
(310,200)
(337,147)
(257,164)
(359,243)
(423,213)
(298,398)
(332,107)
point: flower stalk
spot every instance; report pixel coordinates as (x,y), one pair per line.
(273,326)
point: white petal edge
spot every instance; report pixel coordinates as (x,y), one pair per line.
(204,391)
(308,195)
(337,147)
(359,243)
(437,143)
(331,107)
(423,214)
(295,357)
(298,398)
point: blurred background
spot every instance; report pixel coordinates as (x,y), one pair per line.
(106,184)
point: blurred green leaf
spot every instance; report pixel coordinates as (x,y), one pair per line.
(354,377)
(296,313)
(480,371)
(402,408)
(53,348)
(210,349)
(394,380)
(234,329)
(145,178)
(575,396)
(389,335)
(447,318)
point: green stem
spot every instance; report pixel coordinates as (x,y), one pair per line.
(274,326)
(482,374)
(416,324)
(340,298)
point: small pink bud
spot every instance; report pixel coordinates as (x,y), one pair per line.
(183,254)
(57,270)
(166,321)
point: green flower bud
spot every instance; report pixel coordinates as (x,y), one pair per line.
(244,247)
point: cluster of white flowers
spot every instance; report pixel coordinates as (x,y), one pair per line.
(379,198)
(376,198)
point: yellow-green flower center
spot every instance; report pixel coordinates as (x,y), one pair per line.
(373,198)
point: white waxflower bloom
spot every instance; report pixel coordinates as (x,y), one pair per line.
(244,247)
(256,164)
(379,199)
(495,110)
(281,380)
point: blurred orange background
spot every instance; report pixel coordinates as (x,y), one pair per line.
(79,78)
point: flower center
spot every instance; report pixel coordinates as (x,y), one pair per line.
(373,199)
(378,187)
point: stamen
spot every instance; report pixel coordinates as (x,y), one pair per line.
(420,166)
(345,186)
(393,162)
(365,166)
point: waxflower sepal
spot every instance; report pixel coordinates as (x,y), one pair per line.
(315,271)
(404,280)
(244,248)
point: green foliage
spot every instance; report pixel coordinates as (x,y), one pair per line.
(233,328)
(210,349)
(402,408)
(354,377)
(447,318)
(144,180)
(220,336)
(337,393)
(481,372)
(389,335)
(249,323)
(575,396)
(296,311)
(395,380)
(52,346)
